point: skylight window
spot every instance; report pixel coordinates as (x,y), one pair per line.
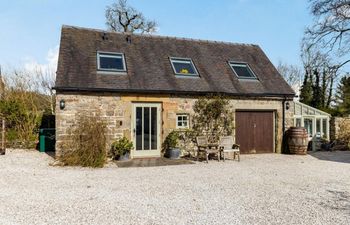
(242,70)
(183,67)
(113,62)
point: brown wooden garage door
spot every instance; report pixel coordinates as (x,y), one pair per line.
(254,131)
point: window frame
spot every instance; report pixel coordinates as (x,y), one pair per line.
(177,121)
(312,127)
(233,63)
(110,55)
(296,122)
(189,61)
(324,132)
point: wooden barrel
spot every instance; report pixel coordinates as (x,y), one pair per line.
(297,140)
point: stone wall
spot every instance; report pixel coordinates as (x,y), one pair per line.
(115,109)
(289,120)
(335,126)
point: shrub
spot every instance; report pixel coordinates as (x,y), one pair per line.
(171,140)
(87,146)
(22,121)
(121,147)
(25,96)
(183,139)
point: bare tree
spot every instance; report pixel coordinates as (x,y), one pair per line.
(124,18)
(323,74)
(2,84)
(291,73)
(331,28)
(45,82)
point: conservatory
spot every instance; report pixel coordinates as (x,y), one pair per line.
(315,121)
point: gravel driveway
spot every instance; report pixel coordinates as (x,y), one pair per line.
(261,189)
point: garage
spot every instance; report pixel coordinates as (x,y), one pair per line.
(255,131)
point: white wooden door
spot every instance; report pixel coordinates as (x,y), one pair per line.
(146,129)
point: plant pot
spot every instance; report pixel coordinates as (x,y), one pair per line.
(172,153)
(124,157)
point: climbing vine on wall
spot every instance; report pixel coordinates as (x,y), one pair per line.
(213,117)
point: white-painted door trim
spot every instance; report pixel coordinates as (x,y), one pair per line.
(146,153)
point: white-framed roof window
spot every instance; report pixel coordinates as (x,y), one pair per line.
(111,62)
(182,121)
(183,67)
(242,70)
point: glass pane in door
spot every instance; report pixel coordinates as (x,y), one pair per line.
(154,128)
(146,128)
(138,128)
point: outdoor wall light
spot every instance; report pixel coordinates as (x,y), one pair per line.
(287,105)
(62,104)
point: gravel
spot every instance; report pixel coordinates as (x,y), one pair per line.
(261,189)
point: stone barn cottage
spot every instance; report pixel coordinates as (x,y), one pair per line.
(145,86)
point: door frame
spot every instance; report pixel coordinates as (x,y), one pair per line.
(146,153)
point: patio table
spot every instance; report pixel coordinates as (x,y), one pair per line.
(214,148)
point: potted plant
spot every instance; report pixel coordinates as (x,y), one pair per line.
(170,146)
(120,149)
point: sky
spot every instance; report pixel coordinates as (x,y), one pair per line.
(30,29)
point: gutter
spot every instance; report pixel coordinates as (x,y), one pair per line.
(131,91)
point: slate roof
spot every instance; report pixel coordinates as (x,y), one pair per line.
(149,69)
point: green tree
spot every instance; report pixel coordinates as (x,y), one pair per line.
(321,73)
(306,90)
(343,96)
(316,91)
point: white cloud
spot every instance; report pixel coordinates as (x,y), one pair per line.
(33,65)
(296,87)
(42,75)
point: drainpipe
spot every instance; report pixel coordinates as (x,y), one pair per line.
(284,147)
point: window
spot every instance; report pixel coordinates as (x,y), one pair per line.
(324,128)
(298,122)
(183,67)
(242,70)
(318,127)
(308,124)
(182,121)
(113,62)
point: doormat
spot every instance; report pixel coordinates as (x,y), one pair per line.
(148,162)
